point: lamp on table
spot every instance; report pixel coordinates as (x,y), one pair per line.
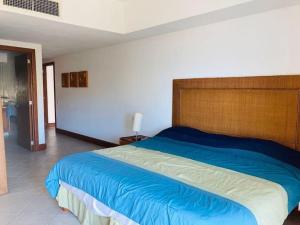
(137,124)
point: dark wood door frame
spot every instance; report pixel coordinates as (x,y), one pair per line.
(32,92)
(54,89)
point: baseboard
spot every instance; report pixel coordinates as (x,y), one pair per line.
(92,140)
(50,125)
(40,147)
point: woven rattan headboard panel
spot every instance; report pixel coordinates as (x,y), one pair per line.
(258,107)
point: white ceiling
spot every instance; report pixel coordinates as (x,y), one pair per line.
(56,38)
(59,38)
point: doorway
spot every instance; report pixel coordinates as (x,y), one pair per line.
(18,96)
(49,94)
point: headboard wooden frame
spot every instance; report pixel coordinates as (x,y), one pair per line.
(258,107)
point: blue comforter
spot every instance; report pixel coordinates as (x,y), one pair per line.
(151,198)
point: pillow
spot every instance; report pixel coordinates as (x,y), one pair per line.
(269,148)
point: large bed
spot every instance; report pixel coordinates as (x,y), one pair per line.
(230,158)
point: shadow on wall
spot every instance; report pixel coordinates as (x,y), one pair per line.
(128,119)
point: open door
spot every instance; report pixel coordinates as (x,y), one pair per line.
(23,102)
(49,94)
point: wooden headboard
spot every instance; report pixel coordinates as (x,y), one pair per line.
(258,107)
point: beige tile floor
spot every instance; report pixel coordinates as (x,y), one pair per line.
(27,202)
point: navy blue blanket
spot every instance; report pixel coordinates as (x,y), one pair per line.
(265,147)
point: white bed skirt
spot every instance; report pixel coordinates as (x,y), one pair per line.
(92,205)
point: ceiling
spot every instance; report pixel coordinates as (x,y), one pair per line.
(60,38)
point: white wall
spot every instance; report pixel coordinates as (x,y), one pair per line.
(137,76)
(50,93)
(39,79)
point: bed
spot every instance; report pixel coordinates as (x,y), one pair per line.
(230,158)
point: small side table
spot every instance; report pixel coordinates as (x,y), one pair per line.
(132,139)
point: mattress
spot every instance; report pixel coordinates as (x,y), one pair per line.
(173,179)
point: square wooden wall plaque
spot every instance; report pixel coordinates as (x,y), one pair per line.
(65,80)
(74,79)
(83,79)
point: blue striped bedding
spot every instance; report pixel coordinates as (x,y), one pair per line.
(149,196)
